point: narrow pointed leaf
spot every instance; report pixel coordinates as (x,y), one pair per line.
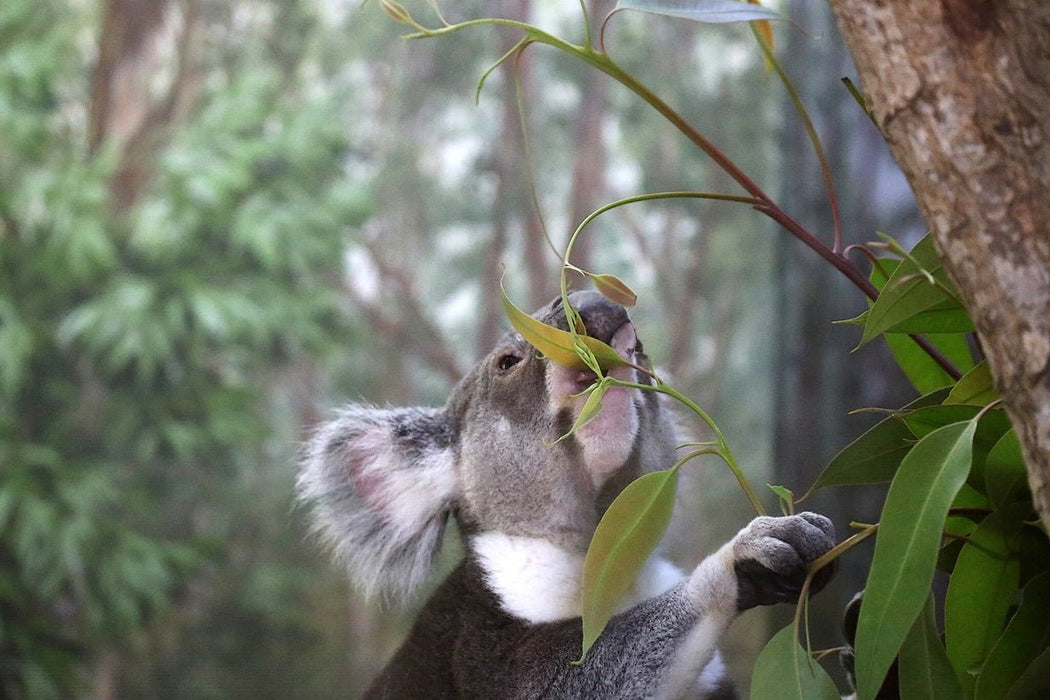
(623,540)
(981,590)
(1027,635)
(784,671)
(925,673)
(1034,683)
(906,547)
(909,292)
(614,289)
(557,345)
(975,387)
(709,11)
(920,369)
(1005,473)
(874,457)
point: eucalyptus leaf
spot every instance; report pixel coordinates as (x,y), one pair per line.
(981,590)
(874,456)
(906,547)
(911,290)
(784,671)
(975,387)
(626,536)
(1026,636)
(557,345)
(1005,473)
(924,670)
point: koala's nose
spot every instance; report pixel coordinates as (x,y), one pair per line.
(601,316)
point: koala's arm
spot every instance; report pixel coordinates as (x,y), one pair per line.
(660,647)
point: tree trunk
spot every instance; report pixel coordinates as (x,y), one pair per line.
(961,91)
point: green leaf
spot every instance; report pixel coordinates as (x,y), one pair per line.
(1005,473)
(981,590)
(925,673)
(1027,634)
(624,539)
(614,289)
(557,345)
(784,671)
(910,292)
(975,387)
(709,11)
(906,547)
(920,369)
(874,457)
(1034,683)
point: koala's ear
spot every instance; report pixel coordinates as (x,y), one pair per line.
(380,484)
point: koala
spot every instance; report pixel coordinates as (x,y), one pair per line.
(381,484)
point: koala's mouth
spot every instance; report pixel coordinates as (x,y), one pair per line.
(625,342)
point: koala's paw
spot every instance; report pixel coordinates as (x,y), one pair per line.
(770,557)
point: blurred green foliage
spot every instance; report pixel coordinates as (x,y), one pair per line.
(146,360)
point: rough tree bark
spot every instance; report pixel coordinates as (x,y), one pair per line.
(961,91)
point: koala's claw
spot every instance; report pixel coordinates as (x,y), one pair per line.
(771,556)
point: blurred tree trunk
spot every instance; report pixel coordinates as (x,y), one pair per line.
(588,168)
(141,82)
(961,91)
(511,203)
(819,378)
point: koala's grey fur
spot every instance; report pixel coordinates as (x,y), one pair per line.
(505,624)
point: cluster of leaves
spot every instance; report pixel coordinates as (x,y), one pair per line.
(958,498)
(139,351)
(958,502)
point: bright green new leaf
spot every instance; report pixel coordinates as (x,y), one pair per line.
(925,673)
(975,387)
(709,11)
(1005,474)
(557,345)
(910,291)
(784,671)
(624,539)
(1026,636)
(906,547)
(920,369)
(981,590)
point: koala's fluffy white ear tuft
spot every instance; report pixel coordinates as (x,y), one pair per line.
(381,484)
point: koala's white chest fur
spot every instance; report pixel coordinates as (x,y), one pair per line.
(538,581)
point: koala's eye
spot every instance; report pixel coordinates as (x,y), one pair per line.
(507,362)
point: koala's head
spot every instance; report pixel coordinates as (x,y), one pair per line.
(382,482)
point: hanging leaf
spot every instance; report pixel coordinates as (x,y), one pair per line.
(614,289)
(708,11)
(557,345)
(784,671)
(624,539)
(981,590)
(906,547)
(925,673)
(1027,635)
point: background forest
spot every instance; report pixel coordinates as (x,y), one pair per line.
(220,218)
